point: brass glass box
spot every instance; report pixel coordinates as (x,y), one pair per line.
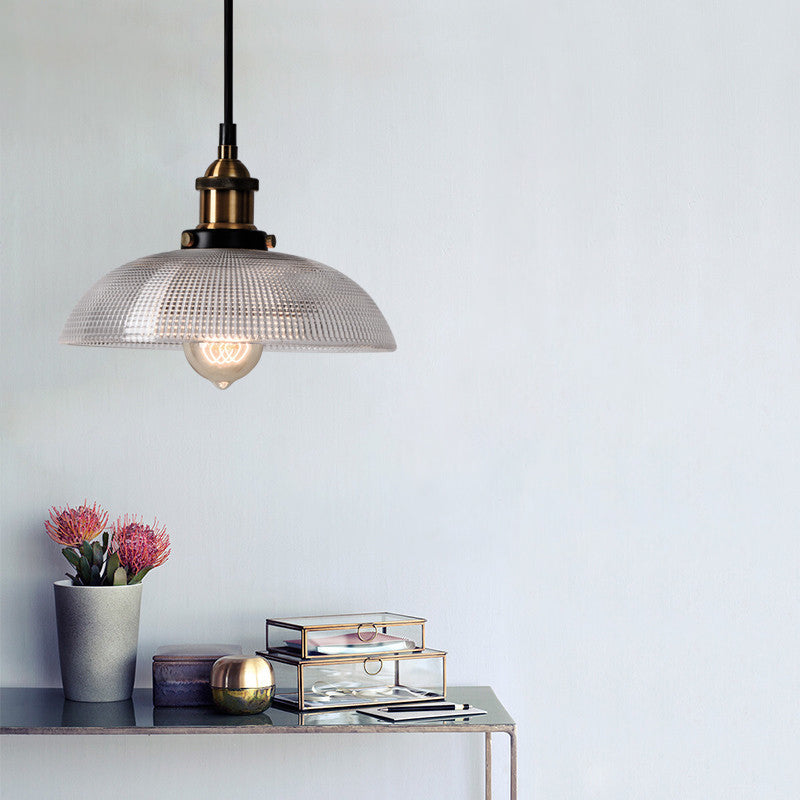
(345,634)
(351,681)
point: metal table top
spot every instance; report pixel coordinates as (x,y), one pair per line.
(45,711)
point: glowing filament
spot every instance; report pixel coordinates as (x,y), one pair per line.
(223,353)
(222,362)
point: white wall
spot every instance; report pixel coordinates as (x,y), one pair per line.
(581,220)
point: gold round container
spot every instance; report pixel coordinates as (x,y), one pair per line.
(242,684)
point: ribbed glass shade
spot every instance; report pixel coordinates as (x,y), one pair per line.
(282,301)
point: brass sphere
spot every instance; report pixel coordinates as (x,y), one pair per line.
(242,684)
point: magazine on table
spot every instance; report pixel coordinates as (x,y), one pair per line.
(424,710)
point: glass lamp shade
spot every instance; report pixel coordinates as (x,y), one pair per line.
(276,300)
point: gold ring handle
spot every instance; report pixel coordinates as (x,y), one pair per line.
(371,634)
(380,665)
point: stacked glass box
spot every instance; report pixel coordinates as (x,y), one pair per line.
(353,660)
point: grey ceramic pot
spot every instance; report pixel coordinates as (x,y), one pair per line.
(98,632)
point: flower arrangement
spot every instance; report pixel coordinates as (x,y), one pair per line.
(124,554)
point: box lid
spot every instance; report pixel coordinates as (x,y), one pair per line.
(196,652)
(334,621)
(297,660)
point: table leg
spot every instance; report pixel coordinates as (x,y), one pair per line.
(488,770)
(512,735)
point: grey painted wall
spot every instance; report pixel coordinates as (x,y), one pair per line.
(581,220)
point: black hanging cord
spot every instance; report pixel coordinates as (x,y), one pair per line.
(227,130)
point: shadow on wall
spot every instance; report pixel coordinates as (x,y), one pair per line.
(42,603)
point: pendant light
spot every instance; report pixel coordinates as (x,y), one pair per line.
(226,295)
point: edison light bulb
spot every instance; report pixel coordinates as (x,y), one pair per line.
(222,362)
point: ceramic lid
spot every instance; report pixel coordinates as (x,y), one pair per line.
(195,652)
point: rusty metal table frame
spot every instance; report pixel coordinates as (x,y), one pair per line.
(45,712)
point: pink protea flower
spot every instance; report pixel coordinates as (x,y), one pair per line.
(139,546)
(73,526)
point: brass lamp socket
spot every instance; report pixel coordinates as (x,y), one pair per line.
(226,207)
(226,192)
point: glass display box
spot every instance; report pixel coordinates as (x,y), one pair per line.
(345,634)
(349,681)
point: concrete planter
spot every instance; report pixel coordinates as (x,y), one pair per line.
(98,633)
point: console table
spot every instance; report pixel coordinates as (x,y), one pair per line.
(45,711)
